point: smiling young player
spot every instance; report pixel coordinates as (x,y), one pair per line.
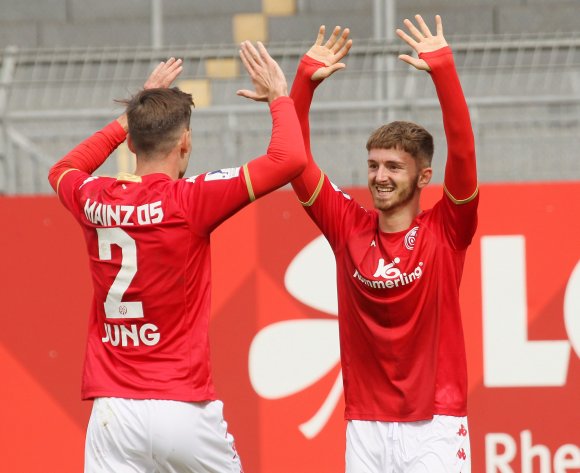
(398,271)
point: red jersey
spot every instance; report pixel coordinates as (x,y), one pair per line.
(148,241)
(401,337)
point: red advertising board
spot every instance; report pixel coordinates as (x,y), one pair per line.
(274,334)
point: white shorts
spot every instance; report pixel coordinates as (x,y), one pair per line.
(155,436)
(440,445)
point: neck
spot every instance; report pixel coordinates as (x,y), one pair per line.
(399,218)
(167,165)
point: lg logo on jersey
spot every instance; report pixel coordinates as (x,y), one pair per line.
(510,359)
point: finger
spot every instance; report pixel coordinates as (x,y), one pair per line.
(415,62)
(413,29)
(246,57)
(264,54)
(408,59)
(173,63)
(171,76)
(171,68)
(439,25)
(405,37)
(252,58)
(424,28)
(249,94)
(344,50)
(246,61)
(157,69)
(164,74)
(335,67)
(333,37)
(253,52)
(325,72)
(163,67)
(320,37)
(341,41)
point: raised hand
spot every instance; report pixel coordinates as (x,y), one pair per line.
(164,74)
(268,79)
(424,41)
(330,53)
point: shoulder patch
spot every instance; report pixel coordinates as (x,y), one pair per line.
(222,174)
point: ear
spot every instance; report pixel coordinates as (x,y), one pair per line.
(130,144)
(185,143)
(425,176)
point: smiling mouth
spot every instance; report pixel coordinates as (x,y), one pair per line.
(384,191)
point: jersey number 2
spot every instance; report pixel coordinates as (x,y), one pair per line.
(115,308)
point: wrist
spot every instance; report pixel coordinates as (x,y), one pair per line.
(308,66)
(277,94)
(280,100)
(122,121)
(440,57)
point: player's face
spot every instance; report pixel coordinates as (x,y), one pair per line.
(393,177)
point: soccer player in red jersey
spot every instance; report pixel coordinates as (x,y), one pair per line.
(398,271)
(147,363)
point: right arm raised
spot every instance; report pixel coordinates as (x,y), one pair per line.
(285,158)
(89,155)
(320,62)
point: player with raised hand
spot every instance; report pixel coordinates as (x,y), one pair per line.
(398,271)
(147,364)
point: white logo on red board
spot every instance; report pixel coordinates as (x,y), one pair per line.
(277,370)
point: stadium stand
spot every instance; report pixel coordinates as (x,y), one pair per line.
(61,65)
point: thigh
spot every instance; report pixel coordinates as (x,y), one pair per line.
(369,448)
(192,437)
(438,446)
(117,437)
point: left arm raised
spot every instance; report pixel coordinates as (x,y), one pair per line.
(436,57)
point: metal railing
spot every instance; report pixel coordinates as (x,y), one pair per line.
(523,92)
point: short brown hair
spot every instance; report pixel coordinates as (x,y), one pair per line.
(157,117)
(406,136)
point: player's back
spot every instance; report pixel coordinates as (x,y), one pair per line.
(150,268)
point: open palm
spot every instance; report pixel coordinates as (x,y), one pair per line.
(422,40)
(330,53)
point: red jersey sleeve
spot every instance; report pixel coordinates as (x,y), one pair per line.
(457,223)
(460,169)
(210,198)
(307,183)
(458,208)
(335,213)
(90,154)
(285,157)
(69,174)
